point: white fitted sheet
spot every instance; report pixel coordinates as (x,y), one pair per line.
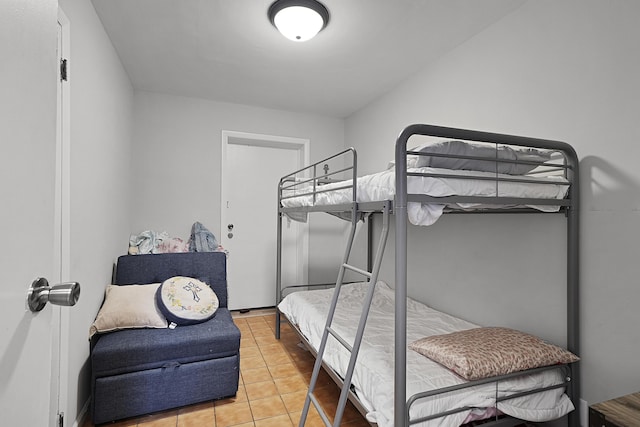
(373,374)
(381,186)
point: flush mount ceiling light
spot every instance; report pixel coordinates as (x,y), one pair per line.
(298,20)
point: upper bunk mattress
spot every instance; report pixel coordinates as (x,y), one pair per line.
(381,186)
(374,369)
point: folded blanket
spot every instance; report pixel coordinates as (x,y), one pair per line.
(146,242)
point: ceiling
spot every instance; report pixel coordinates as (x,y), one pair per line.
(227,50)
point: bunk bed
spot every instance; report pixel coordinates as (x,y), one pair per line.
(456,170)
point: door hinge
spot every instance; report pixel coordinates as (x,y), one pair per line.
(63,70)
(60,419)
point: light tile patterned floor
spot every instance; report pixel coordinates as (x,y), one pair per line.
(274,376)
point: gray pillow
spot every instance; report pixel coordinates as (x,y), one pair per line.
(462,148)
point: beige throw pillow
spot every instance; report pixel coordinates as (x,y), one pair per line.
(128,306)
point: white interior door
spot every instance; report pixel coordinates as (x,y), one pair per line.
(252,167)
(27,181)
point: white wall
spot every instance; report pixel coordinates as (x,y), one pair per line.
(175,162)
(101,126)
(563,70)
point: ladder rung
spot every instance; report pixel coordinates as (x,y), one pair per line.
(324,417)
(339,338)
(357,270)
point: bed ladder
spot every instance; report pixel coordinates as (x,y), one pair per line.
(372,278)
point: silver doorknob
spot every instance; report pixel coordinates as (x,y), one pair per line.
(40,293)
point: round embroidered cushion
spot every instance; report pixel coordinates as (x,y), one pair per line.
(185,300)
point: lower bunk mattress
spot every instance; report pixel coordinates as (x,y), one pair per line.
(374,372)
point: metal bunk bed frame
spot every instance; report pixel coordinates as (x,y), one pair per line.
(569,205)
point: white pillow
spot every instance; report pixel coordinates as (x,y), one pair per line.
(185,300)
(128,306)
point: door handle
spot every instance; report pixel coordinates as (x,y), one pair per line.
(66,294)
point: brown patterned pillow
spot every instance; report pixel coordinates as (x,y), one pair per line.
(486,352)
